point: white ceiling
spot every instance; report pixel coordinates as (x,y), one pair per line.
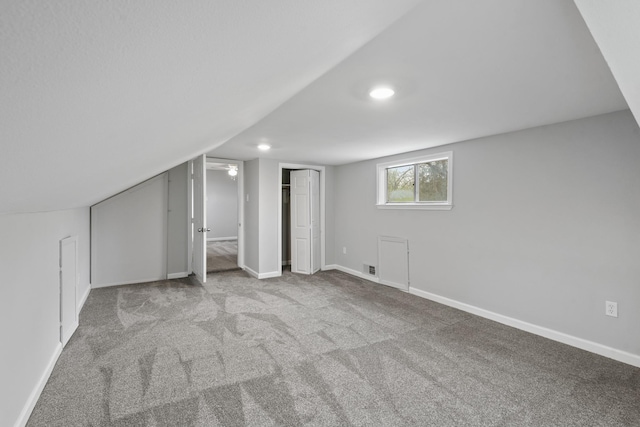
(96,96)
(219,166)
(616,28)
(461,69)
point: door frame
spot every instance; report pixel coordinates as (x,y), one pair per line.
(323,209)
(190,216)
(240,219)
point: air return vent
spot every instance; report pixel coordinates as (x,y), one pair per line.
(369,269)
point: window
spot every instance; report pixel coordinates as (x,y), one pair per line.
(416,183)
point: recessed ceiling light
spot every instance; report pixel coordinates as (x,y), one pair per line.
(264,147)
(381,92)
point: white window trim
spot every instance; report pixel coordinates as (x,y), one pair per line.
(382,183)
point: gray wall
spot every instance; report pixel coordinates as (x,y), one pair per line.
(544,227)
(177,221)
(330,257)
(270,190)
(222,205)
(142,234)
(129,235)
(263,185)
(251,214)
(30,305)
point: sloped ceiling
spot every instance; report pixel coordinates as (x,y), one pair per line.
(97,96)
(461,70)
(615,26)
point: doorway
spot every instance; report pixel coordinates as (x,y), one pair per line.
(222,216)
(222,247)
(284,217)
(285,221)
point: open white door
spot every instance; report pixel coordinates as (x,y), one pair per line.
(68,288)
(305,221)
(200,217)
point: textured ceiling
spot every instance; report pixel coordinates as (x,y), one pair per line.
(461,69)
(97,96)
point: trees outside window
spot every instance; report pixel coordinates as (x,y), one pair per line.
(419,183)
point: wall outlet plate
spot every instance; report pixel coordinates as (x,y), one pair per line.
(611,308)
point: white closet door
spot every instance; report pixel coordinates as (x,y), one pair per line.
(305,221)
(300,222)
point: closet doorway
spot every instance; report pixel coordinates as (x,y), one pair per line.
(302,218)
(285,222)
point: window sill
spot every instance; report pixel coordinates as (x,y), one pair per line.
(420,206)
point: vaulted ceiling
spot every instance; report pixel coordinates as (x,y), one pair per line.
(98,96)
(461,70)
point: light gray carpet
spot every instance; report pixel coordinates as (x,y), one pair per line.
(326,350)
(222,256)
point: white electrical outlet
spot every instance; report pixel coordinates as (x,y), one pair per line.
(611,308)
(344,250)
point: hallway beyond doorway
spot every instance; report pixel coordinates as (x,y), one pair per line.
(222,256)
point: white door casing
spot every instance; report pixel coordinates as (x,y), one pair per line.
(314,184)
(240,180)
(200,218)
(68,288)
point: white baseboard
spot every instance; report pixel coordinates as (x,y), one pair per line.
(126,282)
(83,299)
(356,273)
(219,239)
(251,272)
(37,390)
(269,275)
(593,347)
(262,275)
(180,275)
